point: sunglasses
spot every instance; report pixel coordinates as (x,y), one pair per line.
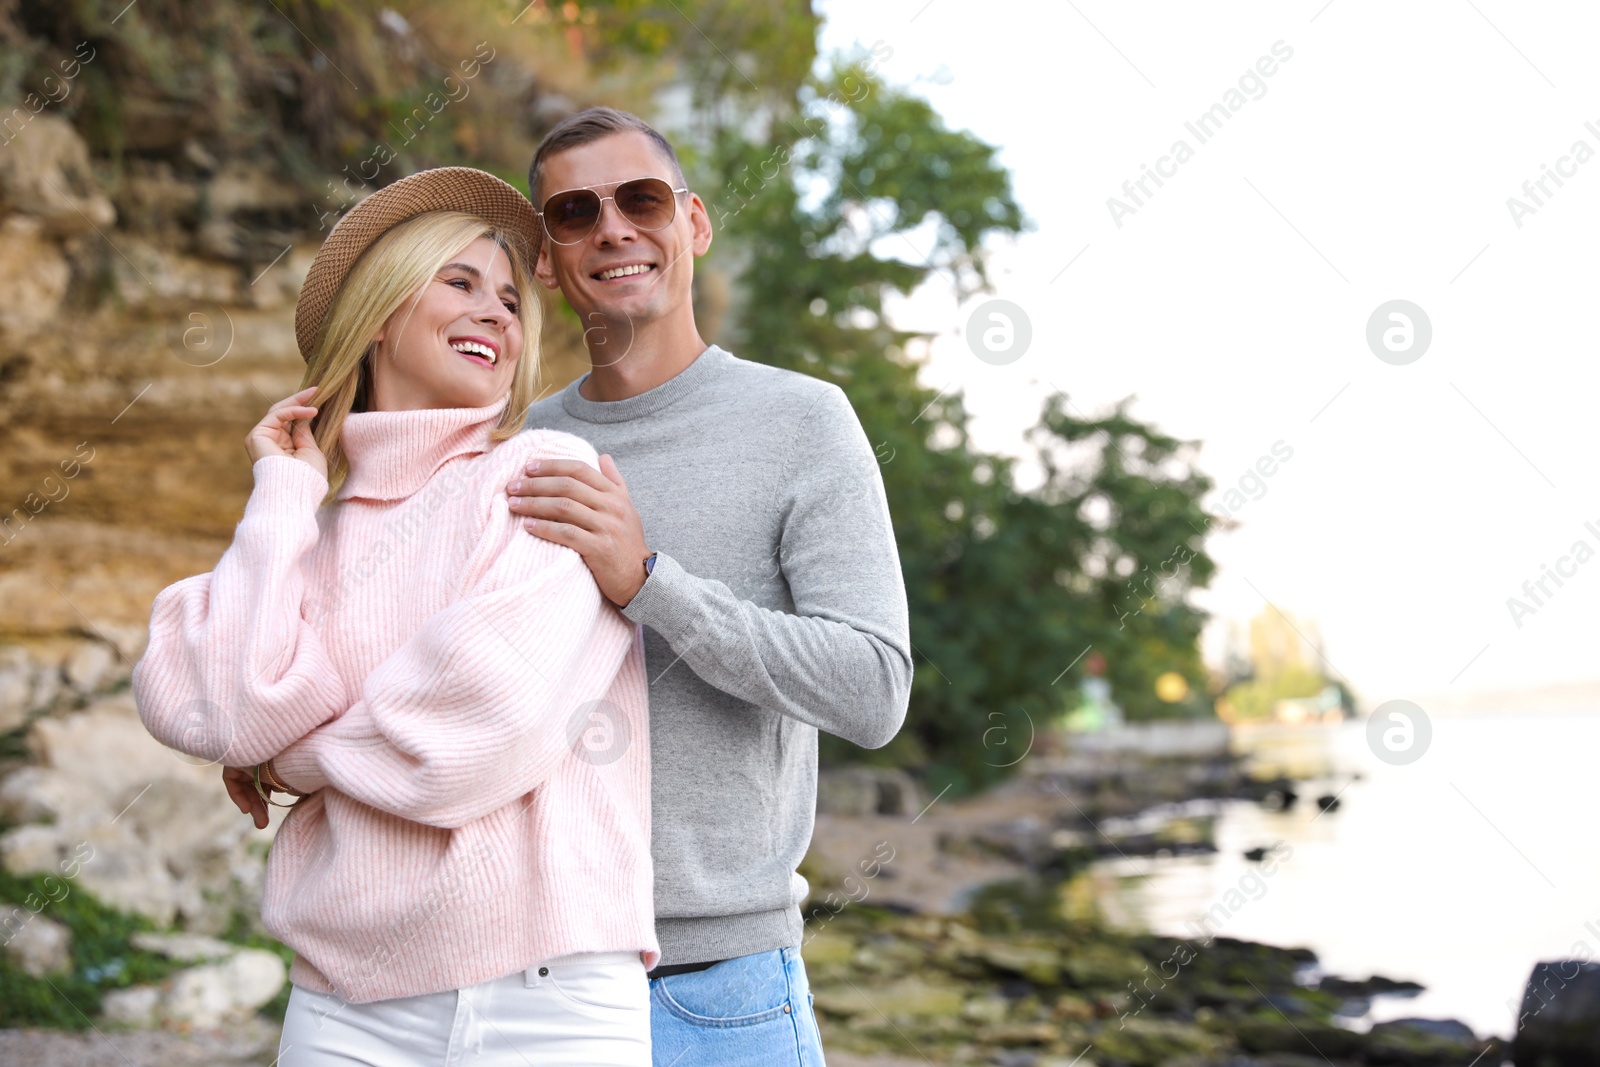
(570,216)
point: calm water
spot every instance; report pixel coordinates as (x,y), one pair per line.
(1458,871)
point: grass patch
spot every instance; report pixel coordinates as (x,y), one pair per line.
(102,958)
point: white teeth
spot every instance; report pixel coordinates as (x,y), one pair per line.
(475,348)
(620,272)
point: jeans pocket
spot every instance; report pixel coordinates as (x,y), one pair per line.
(603,987)
(742,991)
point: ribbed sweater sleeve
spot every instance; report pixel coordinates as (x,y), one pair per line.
(473,711)
(841,661)
(233,672)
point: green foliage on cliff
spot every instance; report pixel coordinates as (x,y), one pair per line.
(720,50)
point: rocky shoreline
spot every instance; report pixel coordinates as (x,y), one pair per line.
(967,932)
(994,988)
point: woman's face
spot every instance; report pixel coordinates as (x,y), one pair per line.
(457,341)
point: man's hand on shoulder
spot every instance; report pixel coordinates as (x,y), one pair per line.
(569,502)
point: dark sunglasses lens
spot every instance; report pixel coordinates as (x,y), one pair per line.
(571,216)
(647,201)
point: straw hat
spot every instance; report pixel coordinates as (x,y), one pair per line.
(465,189)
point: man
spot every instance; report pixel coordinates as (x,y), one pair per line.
(752,540)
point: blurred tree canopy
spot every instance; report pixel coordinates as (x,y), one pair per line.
(726,53)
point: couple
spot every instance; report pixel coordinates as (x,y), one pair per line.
(552,735)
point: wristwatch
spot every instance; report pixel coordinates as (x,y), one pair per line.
(649,564)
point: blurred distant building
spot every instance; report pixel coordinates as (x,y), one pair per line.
(1326,706)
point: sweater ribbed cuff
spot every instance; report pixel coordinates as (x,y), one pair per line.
(659,603)
(297,766)
(284,485)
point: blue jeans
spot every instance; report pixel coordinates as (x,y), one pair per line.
(750,1011)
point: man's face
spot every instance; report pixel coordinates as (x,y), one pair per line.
(586,272)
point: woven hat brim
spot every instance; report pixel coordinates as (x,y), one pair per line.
(466,189)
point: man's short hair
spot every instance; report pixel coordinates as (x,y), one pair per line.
(586,127)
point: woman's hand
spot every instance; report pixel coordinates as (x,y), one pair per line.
(286,431)
(242,788)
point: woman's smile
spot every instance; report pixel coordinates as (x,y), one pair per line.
(480,350)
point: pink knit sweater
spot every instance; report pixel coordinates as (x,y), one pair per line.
(466,710)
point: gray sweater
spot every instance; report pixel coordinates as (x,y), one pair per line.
(776,609)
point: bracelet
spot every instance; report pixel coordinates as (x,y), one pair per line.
(275,783)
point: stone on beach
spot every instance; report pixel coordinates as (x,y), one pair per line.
(1557,1020)
(40,946)
(216,993)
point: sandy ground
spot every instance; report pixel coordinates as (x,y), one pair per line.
(252,1044)
(845,1059)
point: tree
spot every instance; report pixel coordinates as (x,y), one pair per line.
(1006,588)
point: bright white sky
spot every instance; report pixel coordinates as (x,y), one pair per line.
(1234,304)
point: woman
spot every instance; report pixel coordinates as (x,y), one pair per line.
(460,709)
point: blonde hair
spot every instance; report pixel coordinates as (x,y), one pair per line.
(388,273)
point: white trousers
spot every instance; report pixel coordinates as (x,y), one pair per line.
(589,1009)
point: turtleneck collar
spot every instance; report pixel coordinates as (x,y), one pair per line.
(392,454)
